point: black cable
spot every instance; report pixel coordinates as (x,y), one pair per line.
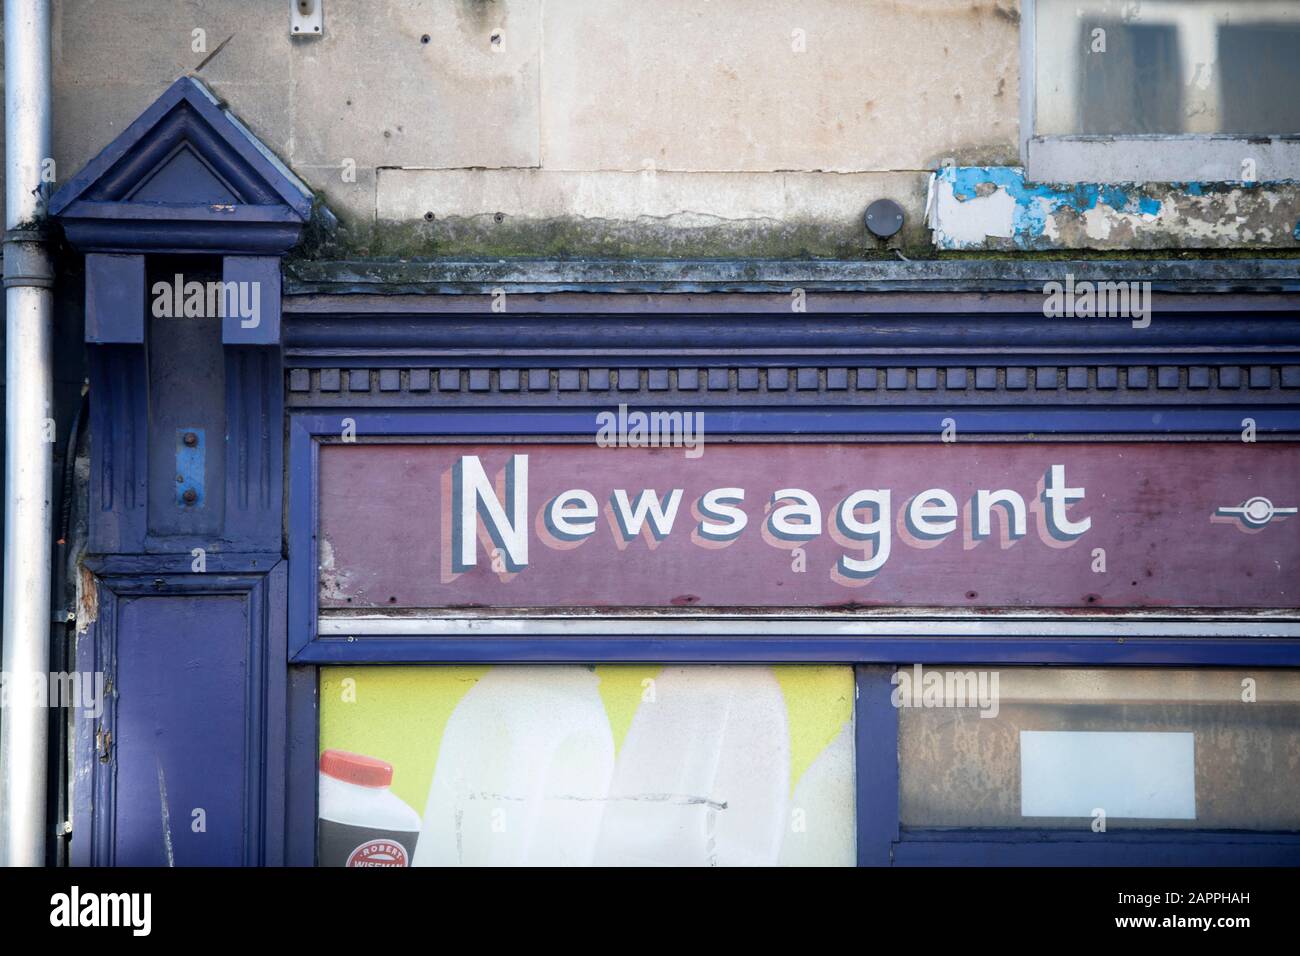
(69,466)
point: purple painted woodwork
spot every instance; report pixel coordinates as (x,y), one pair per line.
(386,519)
(254,447)
(185,176)
(194,718)
(876,757)
(119,436)
(180,743)
(186,372)
(115,299)
(260,276)
(191,626)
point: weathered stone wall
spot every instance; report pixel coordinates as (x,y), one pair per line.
(618,127)
(680,126)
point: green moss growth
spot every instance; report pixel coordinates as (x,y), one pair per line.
(486,237)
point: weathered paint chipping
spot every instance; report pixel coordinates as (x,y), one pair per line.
(994,207)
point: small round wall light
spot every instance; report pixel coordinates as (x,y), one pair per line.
(883,218)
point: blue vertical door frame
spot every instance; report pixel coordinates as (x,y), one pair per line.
(876,765)
(302,746)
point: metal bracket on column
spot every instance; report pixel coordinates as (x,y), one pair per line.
(190,481)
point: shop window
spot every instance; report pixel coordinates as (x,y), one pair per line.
(1167,90)
(503,765)
(1098,751)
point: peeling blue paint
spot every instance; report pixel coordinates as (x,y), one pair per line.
(1036,201)
(977,207)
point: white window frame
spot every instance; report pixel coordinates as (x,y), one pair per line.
(1181,158)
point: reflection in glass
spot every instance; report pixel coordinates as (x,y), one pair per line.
(1167,67)
(960,769)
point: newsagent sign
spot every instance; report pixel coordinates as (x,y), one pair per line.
(812,525)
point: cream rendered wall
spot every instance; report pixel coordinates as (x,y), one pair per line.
(679,126)
(633,127)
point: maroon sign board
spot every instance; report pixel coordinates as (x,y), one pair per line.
(809,525)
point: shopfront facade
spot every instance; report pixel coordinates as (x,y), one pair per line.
(701,562)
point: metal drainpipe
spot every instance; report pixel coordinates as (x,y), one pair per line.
(29,434)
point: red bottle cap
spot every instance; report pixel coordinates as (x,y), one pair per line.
(356,768)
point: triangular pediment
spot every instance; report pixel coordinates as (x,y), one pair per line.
(185,176)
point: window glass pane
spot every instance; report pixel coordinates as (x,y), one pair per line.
(1260,67)
(1047,747)
(1134,88)
(1167,67)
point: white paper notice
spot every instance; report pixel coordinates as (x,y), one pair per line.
(1149,776)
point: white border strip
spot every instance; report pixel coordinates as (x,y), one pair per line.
(1160,159)
(412,627)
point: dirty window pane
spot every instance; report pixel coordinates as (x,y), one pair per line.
(1185,749)
(1261,77)
(1167,67)
(1134,88)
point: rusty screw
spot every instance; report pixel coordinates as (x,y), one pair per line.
(190,496)
(190,439)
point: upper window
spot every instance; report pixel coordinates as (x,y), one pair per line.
(1164,90)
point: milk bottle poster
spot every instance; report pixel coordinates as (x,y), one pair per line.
(476,765)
